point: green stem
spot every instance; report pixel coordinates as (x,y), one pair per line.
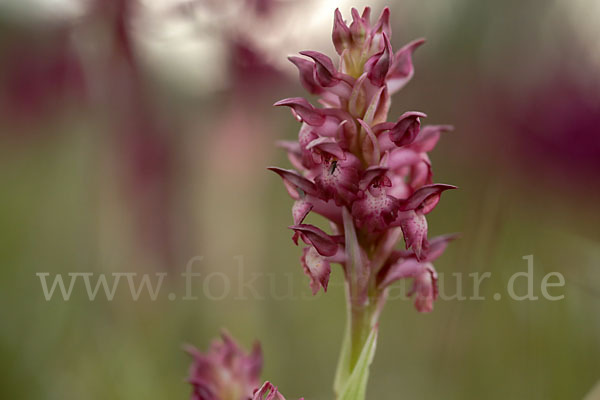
(361,323)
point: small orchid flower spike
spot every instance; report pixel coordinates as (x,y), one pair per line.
(371,178)
(225,372)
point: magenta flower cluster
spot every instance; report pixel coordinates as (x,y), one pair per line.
(349,159)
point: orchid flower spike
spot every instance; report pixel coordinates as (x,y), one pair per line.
(350,160)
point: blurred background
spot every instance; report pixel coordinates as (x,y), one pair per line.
(134,136)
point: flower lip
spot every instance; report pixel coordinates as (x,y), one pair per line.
(414,228)
(375,209)
(317,268)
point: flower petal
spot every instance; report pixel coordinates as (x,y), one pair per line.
(378,107)
(402,157)
(322,242)
(428,137)
(306,73)
(325,71)
(422,195)
(403,268)
(371,174)
(402,69)
(303,110)
(437,245)
(300,210)
(294,181)
(327,145)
